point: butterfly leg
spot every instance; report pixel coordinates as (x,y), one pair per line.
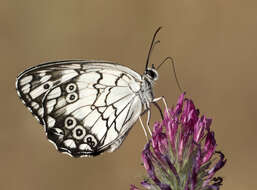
(143,128)
(148,121)
(159,109)
(164,101)
(148,110)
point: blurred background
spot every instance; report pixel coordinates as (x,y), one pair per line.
(214,43)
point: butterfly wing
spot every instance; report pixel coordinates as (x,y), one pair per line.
(87,107)
(33,84)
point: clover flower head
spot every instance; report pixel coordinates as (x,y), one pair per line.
(181,154)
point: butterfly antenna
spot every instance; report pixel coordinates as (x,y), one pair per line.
(152,46)
(174,71)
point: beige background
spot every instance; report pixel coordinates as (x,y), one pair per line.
(214,43)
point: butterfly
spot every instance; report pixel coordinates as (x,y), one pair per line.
(87,107)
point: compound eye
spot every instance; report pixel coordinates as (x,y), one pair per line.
(152,73)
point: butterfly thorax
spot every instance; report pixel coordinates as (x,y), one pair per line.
(146,92)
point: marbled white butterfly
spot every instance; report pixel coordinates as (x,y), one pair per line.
(87,107)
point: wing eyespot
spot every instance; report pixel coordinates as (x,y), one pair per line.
(46,86)
(70,122)
(78,132)
(71,88)
(90,140)
(72,97)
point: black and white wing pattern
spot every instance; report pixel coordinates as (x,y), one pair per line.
(86,107)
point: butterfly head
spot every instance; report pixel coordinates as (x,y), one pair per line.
(151,73)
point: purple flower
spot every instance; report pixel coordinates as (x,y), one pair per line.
(181,154)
